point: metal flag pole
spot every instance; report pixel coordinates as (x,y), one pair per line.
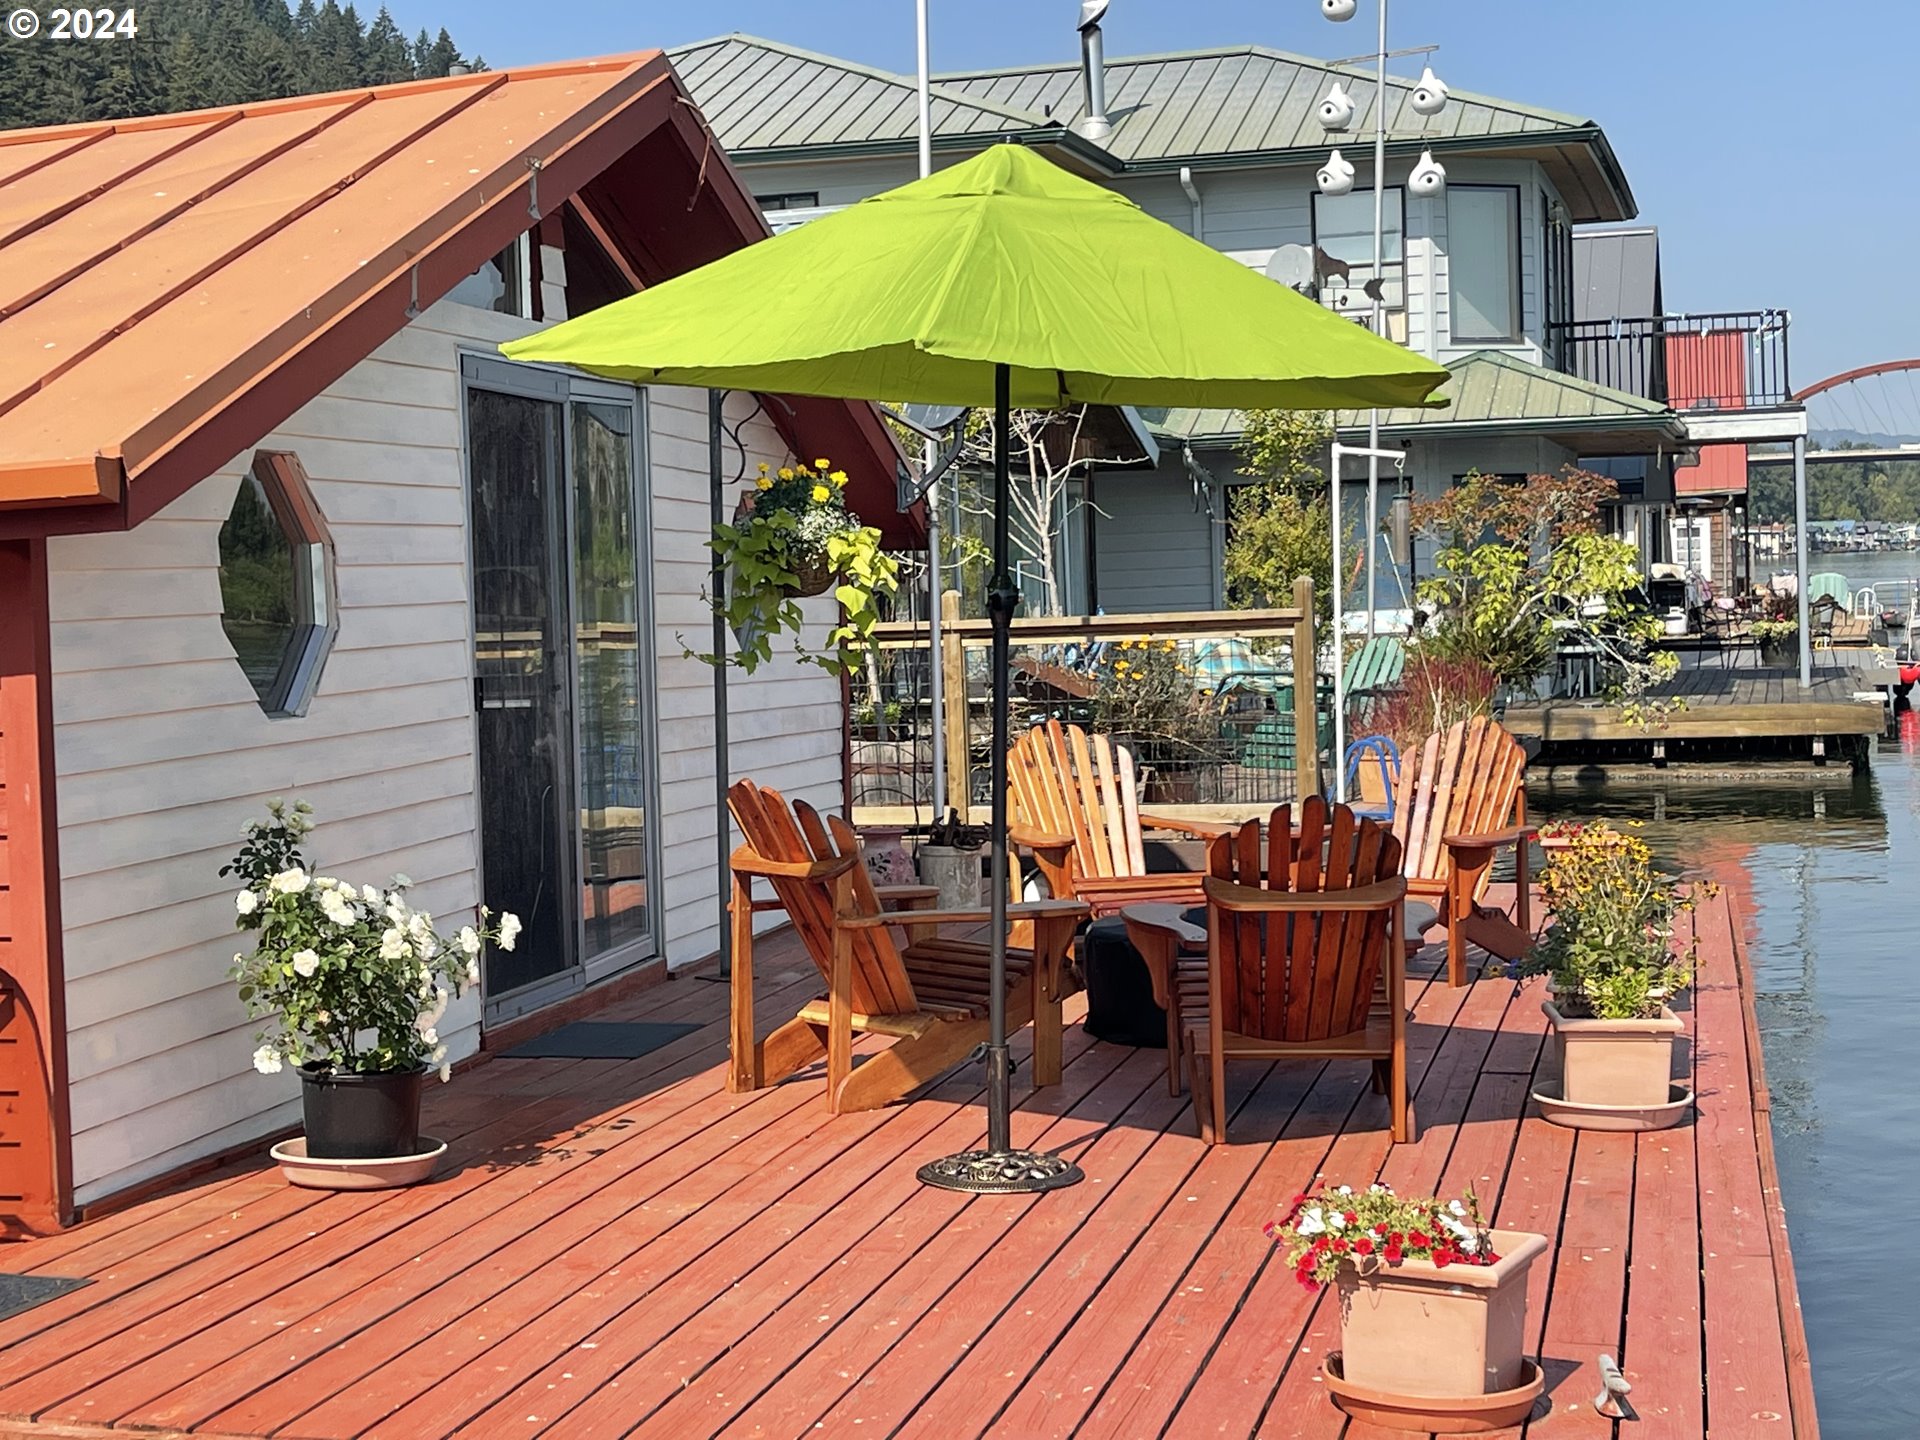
(936,676)
(1379,328)
(1000,1169)
(1374,456)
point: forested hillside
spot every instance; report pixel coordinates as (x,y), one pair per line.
(194,53)
(1840,490)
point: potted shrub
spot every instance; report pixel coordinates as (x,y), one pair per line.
(795,537)
(1778,639)
(1612,964)
(1432,1304)
(353,982)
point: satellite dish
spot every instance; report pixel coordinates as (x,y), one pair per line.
(1292,266)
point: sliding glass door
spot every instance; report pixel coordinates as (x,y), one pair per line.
(562,675)
(609,650)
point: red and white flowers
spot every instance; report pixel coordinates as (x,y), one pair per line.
(1369,1228)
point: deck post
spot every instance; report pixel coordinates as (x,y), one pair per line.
(1800,557)
(1306,696)
(952,661)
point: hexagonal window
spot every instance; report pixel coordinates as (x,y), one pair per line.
(276,583)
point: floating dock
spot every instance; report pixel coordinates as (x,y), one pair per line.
(1707,712)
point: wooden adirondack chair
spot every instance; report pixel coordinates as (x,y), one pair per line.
(1072,800)
(1305,955)
(1462,798)
(931,996)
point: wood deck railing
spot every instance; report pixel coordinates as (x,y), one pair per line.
(1051,657)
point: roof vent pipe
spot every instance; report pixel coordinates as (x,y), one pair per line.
(1093,71)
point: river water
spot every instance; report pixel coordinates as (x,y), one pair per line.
(1829,871)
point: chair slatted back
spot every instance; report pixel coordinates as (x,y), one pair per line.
(795,834)
(1309,975)
(1063,781)
(1467,780)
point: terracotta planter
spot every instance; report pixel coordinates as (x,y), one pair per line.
(1416,1330)
(1615,1062)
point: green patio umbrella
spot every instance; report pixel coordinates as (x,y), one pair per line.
(1004,281)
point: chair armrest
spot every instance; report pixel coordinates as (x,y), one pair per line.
(1029,910)
(748,861)
(1251,899)
(1493,839)
(1197,828)
(1038,839)
(1168,920)
(907,897)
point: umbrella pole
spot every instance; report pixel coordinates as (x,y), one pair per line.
(1000,1169)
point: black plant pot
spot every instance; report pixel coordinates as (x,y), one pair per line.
(361,1117)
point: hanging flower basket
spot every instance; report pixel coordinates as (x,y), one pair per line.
(793,537)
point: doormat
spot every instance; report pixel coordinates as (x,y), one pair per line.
(600,1040)
(23,1292)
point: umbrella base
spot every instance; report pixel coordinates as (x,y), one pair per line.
(1001,1172)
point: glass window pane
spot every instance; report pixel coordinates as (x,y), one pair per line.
(256,586)
(514,461)
(275,589)
(1343,228)
(1483,262)
(609,651)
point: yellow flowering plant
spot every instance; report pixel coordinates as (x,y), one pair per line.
(797,538)
(1612,950)
(1149,698)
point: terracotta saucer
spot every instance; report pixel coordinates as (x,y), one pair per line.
(386,1173)
(1436,1414)
(1577,1115)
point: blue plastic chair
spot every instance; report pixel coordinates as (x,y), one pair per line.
(1375,750)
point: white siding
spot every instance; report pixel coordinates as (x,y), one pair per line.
(785,722)
(163,753)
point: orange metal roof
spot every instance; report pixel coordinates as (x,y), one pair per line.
(151,270)
(173,287)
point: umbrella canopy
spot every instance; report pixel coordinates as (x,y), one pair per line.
(1003,281)
(918,293)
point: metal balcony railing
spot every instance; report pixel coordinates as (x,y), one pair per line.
(1731,361)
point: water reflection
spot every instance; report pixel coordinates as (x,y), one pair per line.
(1825,869)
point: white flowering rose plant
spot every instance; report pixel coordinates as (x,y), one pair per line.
(352,978)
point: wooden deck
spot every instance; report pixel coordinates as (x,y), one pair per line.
(1719,704)
(621,1248)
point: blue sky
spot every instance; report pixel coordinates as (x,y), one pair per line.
(1772,141)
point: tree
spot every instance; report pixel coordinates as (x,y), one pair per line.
(1043,452)
(388,57)
(1043,449)
(1522,565)
(189,54)
(1280,526)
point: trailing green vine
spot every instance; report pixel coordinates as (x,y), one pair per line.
(799,539)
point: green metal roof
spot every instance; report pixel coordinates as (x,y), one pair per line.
(1246,98)
(1492,392)
(762,95)
(1240,105)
